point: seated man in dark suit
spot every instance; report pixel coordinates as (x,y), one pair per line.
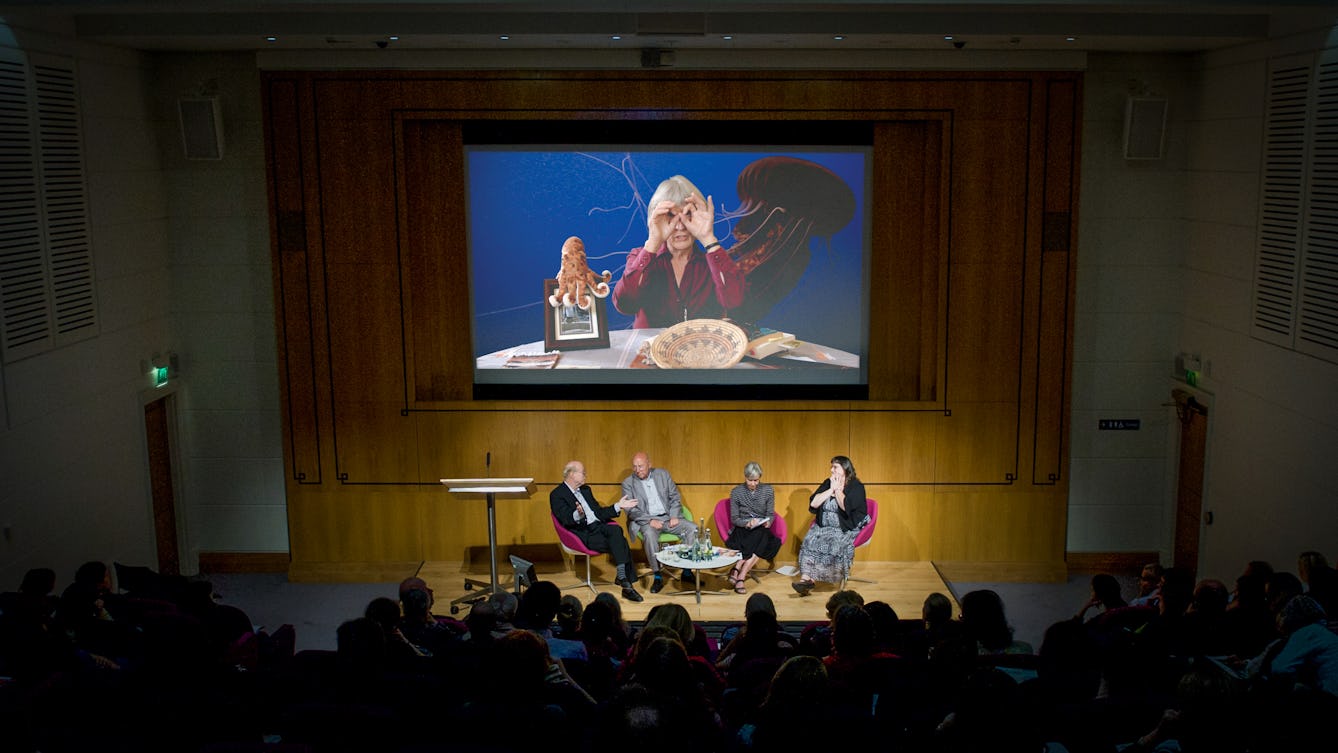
(574,504)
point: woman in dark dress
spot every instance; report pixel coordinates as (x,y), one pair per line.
(752,509)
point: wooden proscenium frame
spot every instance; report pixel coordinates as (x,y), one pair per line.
(964,437)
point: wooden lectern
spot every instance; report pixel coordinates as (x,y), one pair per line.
(490,487)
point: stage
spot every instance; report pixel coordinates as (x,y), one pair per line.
(904,585)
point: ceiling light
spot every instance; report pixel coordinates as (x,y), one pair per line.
(727,37)
(838,37)
(504,37)
(271,39)
(947,37)
(394,39)
(1070,39)
(616,37)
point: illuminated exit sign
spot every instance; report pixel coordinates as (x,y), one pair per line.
(1117,424)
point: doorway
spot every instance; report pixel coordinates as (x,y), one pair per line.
(162,483)
(1189,517)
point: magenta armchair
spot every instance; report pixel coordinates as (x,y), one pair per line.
(572,544)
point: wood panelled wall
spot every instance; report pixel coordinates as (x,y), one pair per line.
(963,439)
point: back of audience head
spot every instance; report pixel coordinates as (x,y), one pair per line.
(800,681)
(649,633)
(661,664)
(360,647)
(615,606)
(40,581)
(886,623)
(384,611)
(984,619)
(504,604)
(759,613)
(1310,562)
(840,599)
(417,605)
(1210,597)
(675,617)
(1300,611)
(94,573)
(412,582)
(1106,588)
(642,720)
(1249,590)
(569,614)
(937,609)
(1177,591)
(1280,588)
(597,620)
(538,605)
(481,620)
(853,634)
(519,664)
(1261,568)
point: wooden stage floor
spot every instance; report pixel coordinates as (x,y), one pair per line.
(904,585)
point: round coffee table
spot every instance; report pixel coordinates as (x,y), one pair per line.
(722,558)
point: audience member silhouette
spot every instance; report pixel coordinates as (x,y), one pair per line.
(799,713)
(421,628)
(1320,579)
(759,637)
(1248,625)
(1130,675)
(887,627)
(623,634)
(570,610)
(816,637)
(1149,586)
(1305,655)
(1105,597)
(662,665)
(985,623)
(537,610)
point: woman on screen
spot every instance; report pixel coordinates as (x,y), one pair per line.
(840,510)
(667,280)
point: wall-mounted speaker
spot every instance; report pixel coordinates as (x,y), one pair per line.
(201,127)
(1144,128)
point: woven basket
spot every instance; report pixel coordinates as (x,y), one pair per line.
(699,344)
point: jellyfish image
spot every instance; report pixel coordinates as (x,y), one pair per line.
(786,201)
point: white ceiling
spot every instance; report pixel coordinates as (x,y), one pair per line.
(215,25)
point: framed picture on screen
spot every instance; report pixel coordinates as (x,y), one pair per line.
(570,326)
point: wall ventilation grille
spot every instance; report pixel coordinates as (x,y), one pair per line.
(1296,261)
(47,290)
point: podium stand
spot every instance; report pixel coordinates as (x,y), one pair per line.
(490,487)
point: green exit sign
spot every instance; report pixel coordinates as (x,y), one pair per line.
(1118,424)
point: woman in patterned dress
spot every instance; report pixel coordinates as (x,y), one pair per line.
(840,510)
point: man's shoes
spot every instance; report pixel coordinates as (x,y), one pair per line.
(630,593)
(689,577)
(658,584)
(803,586)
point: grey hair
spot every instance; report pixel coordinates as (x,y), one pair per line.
(752,470)
(675,189)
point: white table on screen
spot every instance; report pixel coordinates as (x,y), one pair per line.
(490,487)
(624,344)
